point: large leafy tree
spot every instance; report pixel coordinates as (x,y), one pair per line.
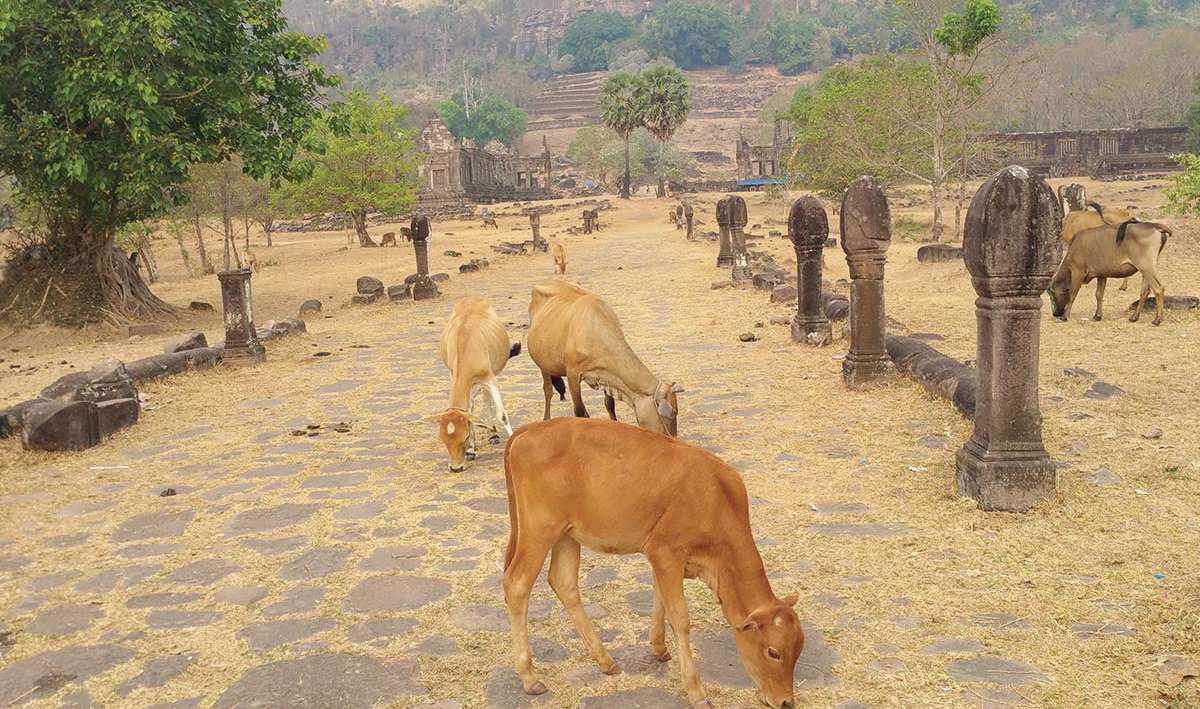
(369,167)
(664,101)
(492,118)
(791,43)
(1183,196)
(691,35)
(105,106)
(621,111)
(1192,121)
(589,37)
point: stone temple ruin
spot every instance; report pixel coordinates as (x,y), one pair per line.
(1097,153)
(456,172)
(764,164)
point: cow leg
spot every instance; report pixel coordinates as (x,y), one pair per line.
(1160,296)
(500,415)
(1124,284)
(668,580)
(1100,283)
(1076,284)
(519,575)
(658,628)
(610,405)
(574,383)
(1141,304)
(547,392)
(470,453)
(564,579)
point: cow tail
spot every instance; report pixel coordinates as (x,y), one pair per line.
(1121,231)
(512,503)
(514,350)
(560,386)
(1165,235)
(1096,206)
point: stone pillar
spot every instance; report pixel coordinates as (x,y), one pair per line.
(678,216)
(737,240)
(1073,197)
(241,338)
(535,224)
(725,255)
(866,236)
(1012,248)
(808,228)
(423,288)
(587,221)
(689,215)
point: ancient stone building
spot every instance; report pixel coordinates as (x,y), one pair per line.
(764,164)
(1095,153)
(455,172)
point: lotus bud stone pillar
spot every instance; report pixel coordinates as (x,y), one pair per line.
(1011,248)
(724,216)
(808,228)
(866,236)
(241,338)
(423,288)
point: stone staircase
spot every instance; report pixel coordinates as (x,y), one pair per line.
(566,97)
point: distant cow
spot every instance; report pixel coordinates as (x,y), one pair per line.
(559,252)
(389,239)
(1095,215)
(490,222)
(406,232)
(1111,251)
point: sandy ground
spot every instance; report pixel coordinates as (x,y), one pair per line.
(903,585)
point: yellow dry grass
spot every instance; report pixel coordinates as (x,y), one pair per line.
(776,410)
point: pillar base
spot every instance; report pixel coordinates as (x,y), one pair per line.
(243,356)
(425,289)
(1010,481)
(866,371)
(725,262)
(816,332)
(742,273)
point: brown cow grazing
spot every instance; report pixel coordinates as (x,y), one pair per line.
(475,348)
(1092,217)
(621,490)
(559,252)
(1110,251)
(389,239)
(490,222)
(406,232)
(576,335)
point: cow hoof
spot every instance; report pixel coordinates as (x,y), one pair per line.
(1060,318)
(1133,318)
(536,688)
(1097,318)
(613,669)
(494,440)
(1156,322)
(664,657)
(702,704)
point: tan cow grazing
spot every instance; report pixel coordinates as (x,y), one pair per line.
(474,347)
(1110,251)
(1092,217)
(575,335)
(622,490)
(490,222)
(559,252)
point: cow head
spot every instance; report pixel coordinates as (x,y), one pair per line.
(454,431)
(1060,293)
(659,412)
(769,643)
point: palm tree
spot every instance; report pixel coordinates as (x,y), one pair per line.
(620,110)
(663,99)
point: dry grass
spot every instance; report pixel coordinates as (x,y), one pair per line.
(1088,556)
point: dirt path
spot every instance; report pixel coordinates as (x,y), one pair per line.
(351,569)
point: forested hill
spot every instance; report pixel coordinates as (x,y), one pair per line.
(422,50)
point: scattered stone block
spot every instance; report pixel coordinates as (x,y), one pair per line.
(939,253)
(108,380)
(783,294)
(201,307)
(190,341)
(942,376)
(61,426)
(1172,302)
(440,277)
(115,414)
(330,680)
(366,298)
(367,285)
(989,669)
(1103,390)
(311,306)
(399,292)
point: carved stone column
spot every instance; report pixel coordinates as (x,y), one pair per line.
(725,256)
(1012,248)
(535,225)
(423,288)
(737,240)
(866,236)
(808,228)
(689,215)
(241,338)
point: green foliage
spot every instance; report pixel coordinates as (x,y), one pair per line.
(1183,196)
(791,43)
(1192,121)
(494,118)
(600,153)
(664,100)
(618,104)
(858,120)
(691,35)
(961,33)
(371,167)
(589,36)
(106,105)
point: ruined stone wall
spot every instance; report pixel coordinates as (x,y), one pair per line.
(1094,153)
(454,171)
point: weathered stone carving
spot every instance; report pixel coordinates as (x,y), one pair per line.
(1072,197)
(1011,250)
(689,216)
(738,219)
(808,228)
(423,287)
(866,236)
(241,340)
(724,217)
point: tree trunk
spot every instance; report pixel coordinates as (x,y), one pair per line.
(938,177)
(146,250)
(206,266)
(662,187)
(360,227)
(183,252)
(268,227)
(625,182)
(227,226)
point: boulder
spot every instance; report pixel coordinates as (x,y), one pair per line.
(835,305)
(411,278)
(190,341)
(767,281)
(939,253)
(440,277)
(165,364)
(108,380)
(469,267)
(366,298)
(783,294)
(200,306)
(287,326)
(400,292)
(1172,302)
(310,306)
(60,426)
(367,285)
(115,414)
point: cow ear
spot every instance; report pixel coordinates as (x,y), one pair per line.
(435,418)
(790,600)
(677,389)
(752,622)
